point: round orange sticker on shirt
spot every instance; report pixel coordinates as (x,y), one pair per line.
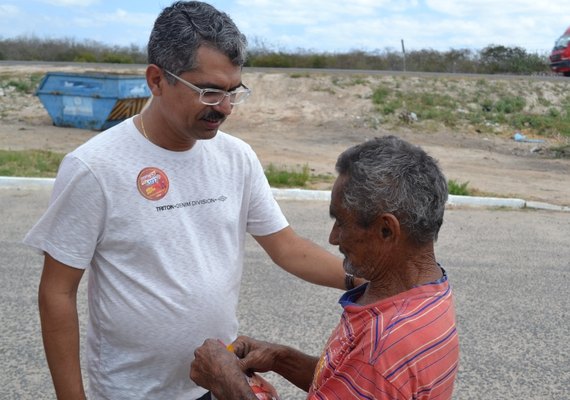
(152,183)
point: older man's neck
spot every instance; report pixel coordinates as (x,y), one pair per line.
(402,275)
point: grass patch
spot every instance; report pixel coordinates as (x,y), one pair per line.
(489,106)
(458,189)
(345,82)
(322,179)
(380,95)
(29,163)
(25,84)
(510,105)
(287,177)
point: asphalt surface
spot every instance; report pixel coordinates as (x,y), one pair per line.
(509,267)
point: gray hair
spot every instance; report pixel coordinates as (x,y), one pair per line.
(390,175)
(183,27)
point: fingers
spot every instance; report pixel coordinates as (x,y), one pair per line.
(254,355)
(243,345)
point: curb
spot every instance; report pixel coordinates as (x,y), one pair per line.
(325,195)
(301,194)
(453,200)
(10,181)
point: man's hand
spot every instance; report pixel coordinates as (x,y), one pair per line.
(218,370)
(256,355)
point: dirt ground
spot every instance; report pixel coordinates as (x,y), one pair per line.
(292,120)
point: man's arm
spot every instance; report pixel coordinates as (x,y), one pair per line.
(293,365)
(57,299)
(303,258)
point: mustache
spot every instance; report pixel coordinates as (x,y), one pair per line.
(214,115)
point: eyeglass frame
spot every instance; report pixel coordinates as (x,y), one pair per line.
(201,91)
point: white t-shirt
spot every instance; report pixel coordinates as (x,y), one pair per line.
(162,234)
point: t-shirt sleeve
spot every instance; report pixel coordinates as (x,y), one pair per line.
(264,215)
(73,223)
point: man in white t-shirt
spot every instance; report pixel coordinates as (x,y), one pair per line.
(157,209)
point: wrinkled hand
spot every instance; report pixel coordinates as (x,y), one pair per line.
(216,369)
(256,355)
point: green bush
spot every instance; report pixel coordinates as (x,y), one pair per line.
(390,107)
(117,58)
(85,56)
(458,189)
(510,104)
(380,94)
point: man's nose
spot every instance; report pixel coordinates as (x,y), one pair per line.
(333,236)
(225,107)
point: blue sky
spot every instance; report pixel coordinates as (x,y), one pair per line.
(313,25)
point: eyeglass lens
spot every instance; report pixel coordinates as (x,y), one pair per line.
(212,97)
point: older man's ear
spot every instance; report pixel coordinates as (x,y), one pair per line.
(389,226)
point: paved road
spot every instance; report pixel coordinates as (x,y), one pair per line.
(510,270)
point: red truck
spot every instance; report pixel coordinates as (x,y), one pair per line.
(560,55)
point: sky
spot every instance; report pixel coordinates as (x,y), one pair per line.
(331,26)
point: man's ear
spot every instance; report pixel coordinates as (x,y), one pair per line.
(155,79)
(389,226)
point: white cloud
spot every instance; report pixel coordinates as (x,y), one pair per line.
(419,31)
(458,24)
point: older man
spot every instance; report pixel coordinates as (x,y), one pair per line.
(397,337)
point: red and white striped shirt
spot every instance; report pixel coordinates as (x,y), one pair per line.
(402,347)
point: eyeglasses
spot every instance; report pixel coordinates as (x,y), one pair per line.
(213,97)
